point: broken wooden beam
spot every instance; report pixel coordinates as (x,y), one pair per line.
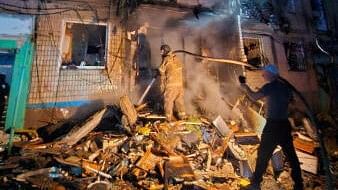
(77,134)
(128,109)
(303,145)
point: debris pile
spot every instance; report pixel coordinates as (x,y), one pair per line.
(128,147)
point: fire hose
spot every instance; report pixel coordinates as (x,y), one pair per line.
(220,60)
(314,120)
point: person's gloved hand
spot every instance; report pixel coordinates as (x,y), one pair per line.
(242,79)
(156,73)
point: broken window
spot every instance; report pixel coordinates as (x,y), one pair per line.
(260,11)
(318,15)
(84,45)
(7,59)
(253,51)
(295,56)
(291,6)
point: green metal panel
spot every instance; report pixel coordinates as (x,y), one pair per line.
(8,44)
(19,86)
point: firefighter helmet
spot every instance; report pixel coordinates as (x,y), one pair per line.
(166,49)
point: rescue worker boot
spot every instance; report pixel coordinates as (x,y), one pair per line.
(182,115)
(169,118)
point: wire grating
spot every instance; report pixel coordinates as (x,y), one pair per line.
(50,83)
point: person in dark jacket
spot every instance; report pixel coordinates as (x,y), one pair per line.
(277,130)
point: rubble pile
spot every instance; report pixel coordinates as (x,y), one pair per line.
(127,147)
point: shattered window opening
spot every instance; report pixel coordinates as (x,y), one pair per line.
(295,56)
(253,51)
(84,45)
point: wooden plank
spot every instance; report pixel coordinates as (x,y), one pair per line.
(306,146)
(75,135)
(128,109)
(308,162)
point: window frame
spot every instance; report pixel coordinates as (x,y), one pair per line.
(107,44)
(299,49)
(259,39)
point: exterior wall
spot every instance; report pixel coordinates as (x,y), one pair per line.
(273,49)
(158,31)
(299,17)
(182,31)
(305,82)
(204,3)
(57,93)
(53,86)
(331,9)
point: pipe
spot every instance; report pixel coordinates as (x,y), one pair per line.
(99,172)
(227,61)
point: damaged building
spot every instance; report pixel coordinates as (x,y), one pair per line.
(84,108)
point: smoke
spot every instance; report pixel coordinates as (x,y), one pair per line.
(203,94)
(210,88)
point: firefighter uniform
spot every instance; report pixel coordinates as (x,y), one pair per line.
(172,86)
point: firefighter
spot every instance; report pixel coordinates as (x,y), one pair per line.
(172,84)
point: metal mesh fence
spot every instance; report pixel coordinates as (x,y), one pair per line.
(51,83)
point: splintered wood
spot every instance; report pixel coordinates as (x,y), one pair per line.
(128,109)
(191,154)
(146,164)
(179,167)
(78,133)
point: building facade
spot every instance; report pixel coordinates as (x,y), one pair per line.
(88,53)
